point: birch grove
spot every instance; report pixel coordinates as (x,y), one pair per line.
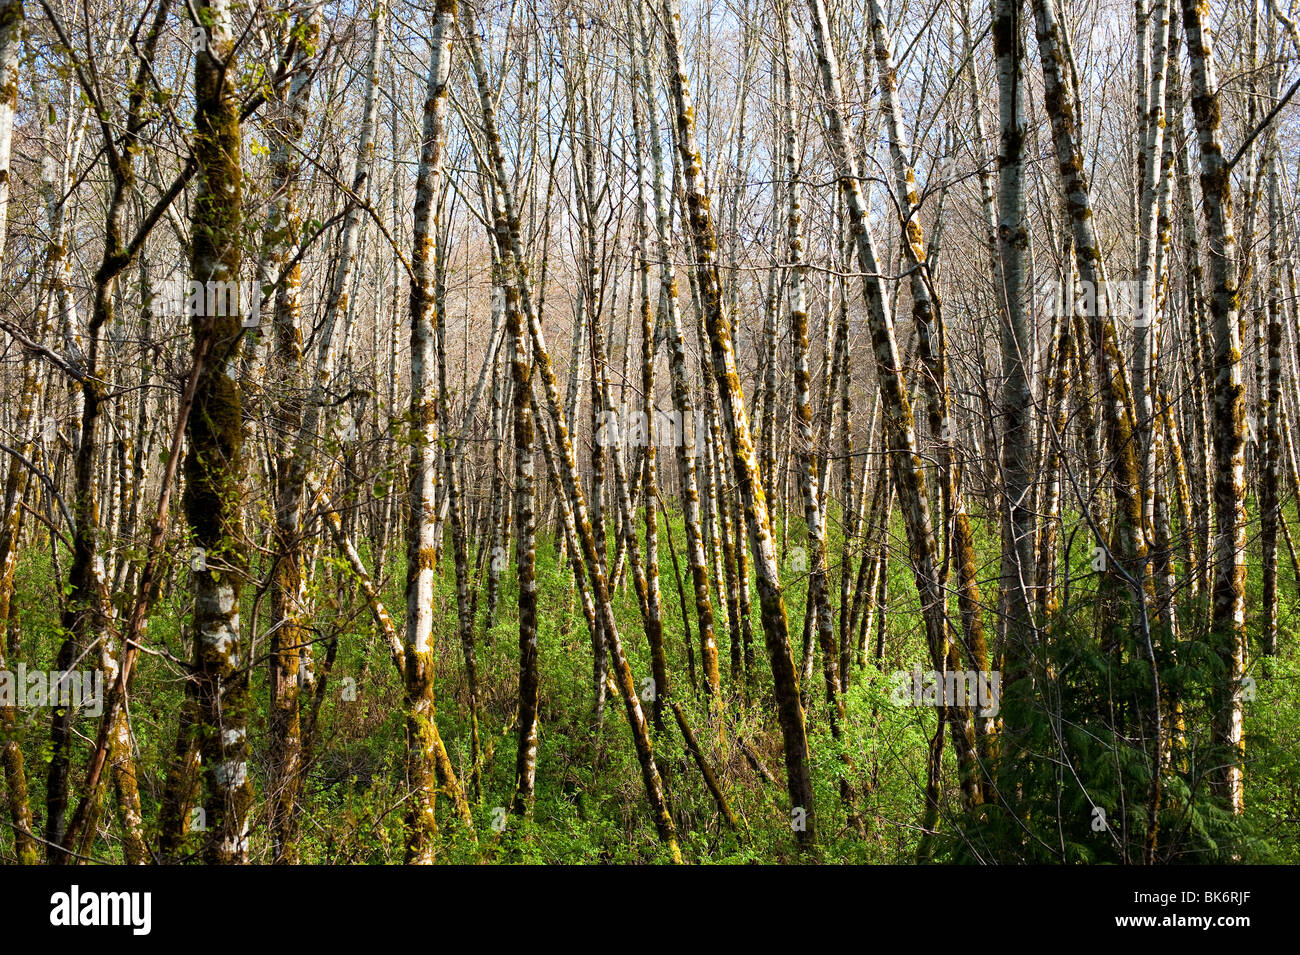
(660,431)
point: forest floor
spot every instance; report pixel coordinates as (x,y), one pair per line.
(590,805)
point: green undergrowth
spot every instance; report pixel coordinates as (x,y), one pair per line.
(1073,751)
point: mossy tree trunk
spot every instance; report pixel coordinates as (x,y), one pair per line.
(1228,553)
(213,498)
(421,523)
(749,481)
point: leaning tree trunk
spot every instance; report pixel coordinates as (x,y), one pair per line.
(1128,538)
(683,403)
(507,234)
(928,322)
(908,477)
(775,627)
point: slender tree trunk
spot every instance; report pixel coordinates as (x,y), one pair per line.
(775,628)
(507,232)
(908,478)
(421,523)
(1228,621)
(288,635)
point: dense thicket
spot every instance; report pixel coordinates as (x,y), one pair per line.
(752,430)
